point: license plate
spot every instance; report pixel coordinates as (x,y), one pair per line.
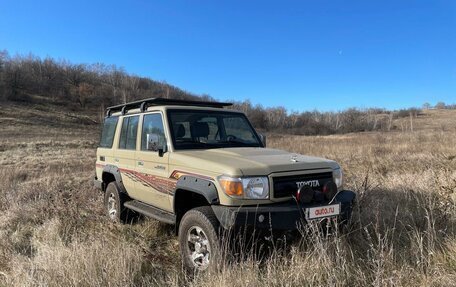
(322,211)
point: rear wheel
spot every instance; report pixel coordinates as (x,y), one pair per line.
(199,239)
(114,203)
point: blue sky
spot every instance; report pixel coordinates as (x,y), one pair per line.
(303,55)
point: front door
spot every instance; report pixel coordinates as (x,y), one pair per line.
(155,186)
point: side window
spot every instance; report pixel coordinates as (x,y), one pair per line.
(153,132)
(109,130)
(129,133)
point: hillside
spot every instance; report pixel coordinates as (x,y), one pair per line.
(42,117)
(430,120)
(89,88)
(54,231)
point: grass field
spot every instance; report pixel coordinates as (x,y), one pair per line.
(53,230)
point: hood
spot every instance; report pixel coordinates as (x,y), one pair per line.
(248,161)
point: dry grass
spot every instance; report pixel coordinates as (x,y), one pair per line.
(53,231)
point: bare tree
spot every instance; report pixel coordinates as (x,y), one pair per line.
(411,121)
(14,78)
(390,121)
(115,79)
(3,61)
(440,105)
(276,117)
(165,88)
(426,106)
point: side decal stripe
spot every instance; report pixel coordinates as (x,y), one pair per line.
(165,185)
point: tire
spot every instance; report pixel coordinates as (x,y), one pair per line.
(199,239)
(114,203)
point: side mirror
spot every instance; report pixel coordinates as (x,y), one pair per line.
(263,139)
(162,150)
(156,143)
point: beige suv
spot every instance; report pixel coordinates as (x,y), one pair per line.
(204,169)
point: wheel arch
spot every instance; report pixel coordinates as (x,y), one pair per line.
(192,192)
(111,173)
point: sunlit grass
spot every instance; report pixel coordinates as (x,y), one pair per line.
(53,230)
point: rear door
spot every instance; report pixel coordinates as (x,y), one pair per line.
(155,186)
(105,153)
(125,153)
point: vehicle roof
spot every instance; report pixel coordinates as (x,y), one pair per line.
(145,104)
(165,108)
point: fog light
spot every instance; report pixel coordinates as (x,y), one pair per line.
(261,218)
(330,190)
(305,194)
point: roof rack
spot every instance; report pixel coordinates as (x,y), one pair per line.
(144,104)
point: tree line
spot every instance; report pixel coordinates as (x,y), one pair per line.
(323,123)
(79,85)
(92,87)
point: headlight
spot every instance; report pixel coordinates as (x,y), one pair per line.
(337,177)
(256,187)
(247,187)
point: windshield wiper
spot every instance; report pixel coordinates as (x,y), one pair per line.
(192,143)
(241,143)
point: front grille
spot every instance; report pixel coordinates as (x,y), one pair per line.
(286,186)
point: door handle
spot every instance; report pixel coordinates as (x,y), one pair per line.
(140,163)
(116,160)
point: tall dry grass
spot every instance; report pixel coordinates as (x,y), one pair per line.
(53,231)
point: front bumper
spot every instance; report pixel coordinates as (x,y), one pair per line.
(277,216)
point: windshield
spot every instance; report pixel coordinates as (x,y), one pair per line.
(194,129)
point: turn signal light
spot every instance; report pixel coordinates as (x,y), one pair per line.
(232,187)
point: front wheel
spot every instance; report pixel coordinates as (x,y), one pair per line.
(199,239)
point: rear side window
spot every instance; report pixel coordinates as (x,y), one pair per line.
(109,130)
(128,133)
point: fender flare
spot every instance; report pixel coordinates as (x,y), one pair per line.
(199,186)
(114,170)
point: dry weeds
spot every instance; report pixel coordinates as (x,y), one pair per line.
(53,231)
